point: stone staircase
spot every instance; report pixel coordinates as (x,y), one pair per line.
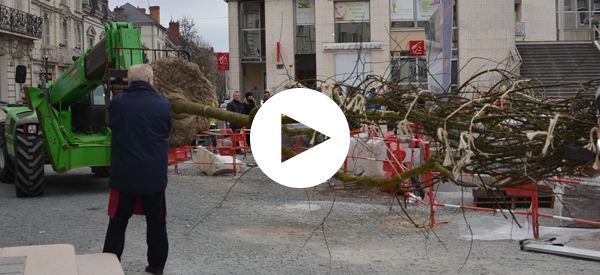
(560,62)
(56,259)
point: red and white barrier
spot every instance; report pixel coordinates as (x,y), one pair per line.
(396,167)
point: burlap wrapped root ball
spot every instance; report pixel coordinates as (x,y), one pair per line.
(178,78)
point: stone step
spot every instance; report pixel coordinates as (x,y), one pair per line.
(552,62)
(12,265)
(55,259)
(99,264)
(564,77)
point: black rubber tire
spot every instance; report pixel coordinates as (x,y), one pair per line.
(101,171)
(29,163)
(7,166)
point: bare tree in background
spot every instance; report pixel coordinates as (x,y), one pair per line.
(202,54)
(221,86)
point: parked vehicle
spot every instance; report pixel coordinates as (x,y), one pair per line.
(224,104)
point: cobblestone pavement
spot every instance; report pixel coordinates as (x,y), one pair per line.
(248,224)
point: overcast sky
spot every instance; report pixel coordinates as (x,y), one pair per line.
(210,17)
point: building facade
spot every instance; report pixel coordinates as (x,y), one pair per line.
(273,41)
(152,34)
(577,19)
(45,35)
(20,28)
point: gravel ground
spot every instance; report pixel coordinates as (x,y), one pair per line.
(265,228)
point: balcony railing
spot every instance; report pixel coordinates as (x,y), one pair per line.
(20,22)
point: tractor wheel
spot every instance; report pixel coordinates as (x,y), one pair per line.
(7,166)
(29,159)
(101,171)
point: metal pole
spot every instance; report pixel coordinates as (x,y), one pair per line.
(82,32)
(46,58)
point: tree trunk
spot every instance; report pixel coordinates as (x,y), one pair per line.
(180,106)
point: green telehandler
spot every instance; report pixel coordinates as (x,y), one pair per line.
(64,123)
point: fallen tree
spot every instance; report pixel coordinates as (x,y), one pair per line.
(508,131)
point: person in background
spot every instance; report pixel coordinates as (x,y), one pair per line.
(236,106)
(140,120)
(372,94)
(266,97)
(351,93)
(249,104)
(212,139)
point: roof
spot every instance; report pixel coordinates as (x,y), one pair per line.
(98,9)
(133,15)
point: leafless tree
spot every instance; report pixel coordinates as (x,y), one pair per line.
(201,54)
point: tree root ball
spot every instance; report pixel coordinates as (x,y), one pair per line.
(178,78)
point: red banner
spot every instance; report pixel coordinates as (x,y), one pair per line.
(417,47)
(223,61)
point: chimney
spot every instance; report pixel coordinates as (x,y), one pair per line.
(155,13)
(143,10)
(106,2)
(174,32)
(120,13)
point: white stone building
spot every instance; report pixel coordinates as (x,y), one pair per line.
(60,28)
(17,41)
(274,40)
(152,34)
(577,19)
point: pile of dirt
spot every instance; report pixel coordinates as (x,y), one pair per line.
(178,78)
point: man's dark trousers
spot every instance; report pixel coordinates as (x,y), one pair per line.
(154,208)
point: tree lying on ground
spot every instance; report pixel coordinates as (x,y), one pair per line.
(508,131)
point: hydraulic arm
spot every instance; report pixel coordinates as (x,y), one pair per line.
(42,132)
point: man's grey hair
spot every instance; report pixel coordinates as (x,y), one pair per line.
(236,92)
(140,72)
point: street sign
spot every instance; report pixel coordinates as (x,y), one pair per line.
(417,47)
(223,61)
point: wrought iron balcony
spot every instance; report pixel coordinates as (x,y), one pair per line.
(20,22)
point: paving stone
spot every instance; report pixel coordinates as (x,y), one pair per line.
(12,260)
(12,265)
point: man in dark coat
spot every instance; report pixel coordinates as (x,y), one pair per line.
(236,106)
(140,120)
(249,104)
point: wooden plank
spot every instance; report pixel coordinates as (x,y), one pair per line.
(513,202)
(491,198)
(512,205)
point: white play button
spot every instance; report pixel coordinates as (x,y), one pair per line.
(314,110)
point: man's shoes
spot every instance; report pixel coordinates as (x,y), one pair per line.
(155,271)
(239,152)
